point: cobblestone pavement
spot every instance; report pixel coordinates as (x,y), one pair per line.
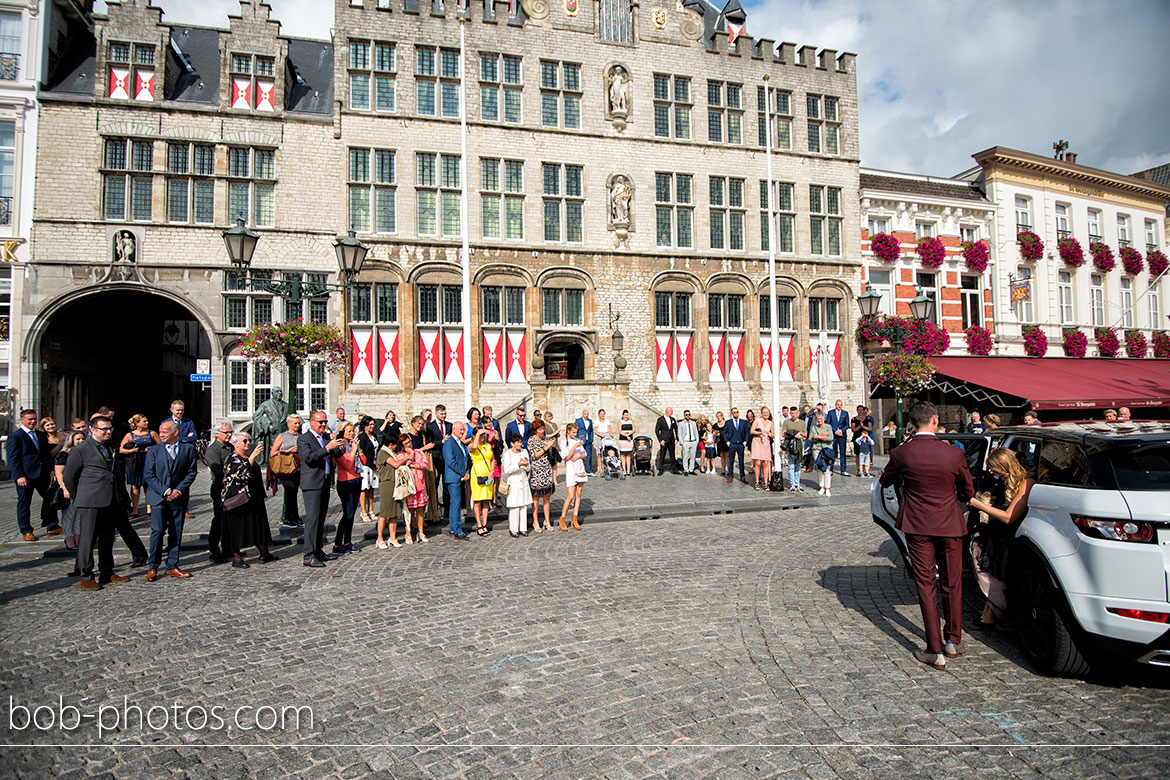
(775,643)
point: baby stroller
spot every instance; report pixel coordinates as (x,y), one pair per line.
(643,463)
(611,462)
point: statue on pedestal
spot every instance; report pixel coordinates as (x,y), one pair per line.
(269,422)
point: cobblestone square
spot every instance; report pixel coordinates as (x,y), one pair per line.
(753,644)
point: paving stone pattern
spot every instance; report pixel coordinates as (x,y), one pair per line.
(771,643)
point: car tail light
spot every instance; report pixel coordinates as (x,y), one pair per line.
(1116,530)
(1141,614)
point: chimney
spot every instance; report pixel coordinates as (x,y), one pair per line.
(1070,157)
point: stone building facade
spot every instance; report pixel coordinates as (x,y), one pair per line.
(615,176)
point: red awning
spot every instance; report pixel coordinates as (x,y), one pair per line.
(1065,383)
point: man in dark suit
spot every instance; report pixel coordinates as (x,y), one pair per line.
(666,431)
(438,429)
(838,420)
(317,449)
(585,434)
(735,433)
(122,523)
(167,472)
(187,432)
(935,485)
(456,467)
(30,462)
(218,452)
(90,482)
(521,426)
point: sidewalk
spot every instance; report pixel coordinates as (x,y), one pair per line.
(635,498)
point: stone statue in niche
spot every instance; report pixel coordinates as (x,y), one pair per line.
(125,247)
(621,193)
(618,90)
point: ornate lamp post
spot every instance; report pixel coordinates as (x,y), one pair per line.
(921,309)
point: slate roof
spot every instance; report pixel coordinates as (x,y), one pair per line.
(193,66)
(309,81)
(74,74)
(934,188)
(1159,175)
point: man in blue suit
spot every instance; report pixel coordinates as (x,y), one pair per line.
(167,473)
(30,463)
(838,420)
(585,434)
(521,426)
(456,467)
(187,433)
(735,433)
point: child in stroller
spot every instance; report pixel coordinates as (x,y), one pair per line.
(611,462)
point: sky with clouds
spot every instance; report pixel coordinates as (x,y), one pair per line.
(939,80)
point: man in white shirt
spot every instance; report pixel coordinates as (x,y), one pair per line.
(688,437)
(338,421)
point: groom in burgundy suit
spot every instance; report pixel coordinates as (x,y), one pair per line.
(935,485)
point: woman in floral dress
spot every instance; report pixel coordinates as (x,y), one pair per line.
(542,475)
(417,501)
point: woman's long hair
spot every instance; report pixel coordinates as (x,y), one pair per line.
(1004,463)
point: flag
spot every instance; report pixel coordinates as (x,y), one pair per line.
(733,31)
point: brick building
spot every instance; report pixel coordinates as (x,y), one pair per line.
(616,181)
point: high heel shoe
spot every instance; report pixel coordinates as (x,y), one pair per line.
(562,526)
(576,526)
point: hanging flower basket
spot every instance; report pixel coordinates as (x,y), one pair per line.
(1035,341)
(931,252)
(976,254)
(1131,260)
(1031,247)
(1136,345)
(1071,252)
(885,247)
(926,339)
(297,342)
(979,341)
(1107,342)
(1076,343)
(1157,262)
(1161,341)
(907,374)
(1102,256)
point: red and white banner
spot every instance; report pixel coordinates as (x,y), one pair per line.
(388,360)
(684,370)
(717,368)
(735,357)
(787,357)
(241,93)
(453,356)
(733,31)
(517,357)
(144,85)
(664,359)
(362,357)
(265,96)
(429,358)
(120,83)
(833,348)
(493,357)
(765,358)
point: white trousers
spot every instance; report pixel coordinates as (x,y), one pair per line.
(518,519)
(826,479)
(689,448)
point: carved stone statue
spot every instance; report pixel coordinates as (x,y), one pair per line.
(269,422)
(125,249)
(619,202)
(618,92)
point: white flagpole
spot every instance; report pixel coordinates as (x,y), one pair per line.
(465,253)
(772,239)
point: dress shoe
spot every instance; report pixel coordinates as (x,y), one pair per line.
(266,558)
(952,650)
(339,550)
(216,558)
(55,532)
(353,548)
(75,573)
(933,660)
(177,572)
(240,563)
(118,578)
(730,480)
(89,585)
(151,575)
(327,556)
(315,563)
(30,537)
(188,515)
(137,563)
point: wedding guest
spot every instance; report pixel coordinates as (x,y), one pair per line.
(721,448)
(515,471)
(763,433)
(368,440)
(482,465)
(349,487)
(416,503)
(821,437)
(576,473)
(542,474)
(626,433)
(286,444)
(133,449)
(390,457)
(70,522)
(245,518)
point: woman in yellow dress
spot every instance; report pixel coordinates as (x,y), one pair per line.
(482,493)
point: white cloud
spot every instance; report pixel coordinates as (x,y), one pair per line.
(939,81)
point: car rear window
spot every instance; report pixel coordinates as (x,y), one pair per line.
(1142,467)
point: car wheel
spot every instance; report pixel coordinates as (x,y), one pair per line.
(1044,636)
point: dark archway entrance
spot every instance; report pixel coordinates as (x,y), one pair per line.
(132,350)
(564,360)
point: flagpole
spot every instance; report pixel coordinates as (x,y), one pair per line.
(772,238)
(465,253)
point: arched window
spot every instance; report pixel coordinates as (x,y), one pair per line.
(785,354)
(503,330)
(725,331)
(373,318)
(439,319)
(674,331)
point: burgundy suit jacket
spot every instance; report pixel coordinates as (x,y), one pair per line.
(935,480)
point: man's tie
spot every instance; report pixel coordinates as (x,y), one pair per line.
(171,451)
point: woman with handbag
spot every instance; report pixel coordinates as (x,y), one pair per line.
(368,441)
(390,457)
(542,473)
(349,487)
(821,436)
(416,502)
(576,474)
(515,469)
(284,463)
(483,463)
(245,518)
(133,448)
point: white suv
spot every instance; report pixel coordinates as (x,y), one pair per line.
(1088,572)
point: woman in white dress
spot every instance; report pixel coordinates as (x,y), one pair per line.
(573,454)
(515,475)
(602,429)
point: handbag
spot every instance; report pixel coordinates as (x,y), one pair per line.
(505,488)
(483,480)
(403,483)
(554,455)
(283,464)
(236,501)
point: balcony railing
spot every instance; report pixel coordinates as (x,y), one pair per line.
(6,210)
(1123,242)
(1063,233)
(1022,228)
(1094,237)
(1151,247)
(9,66)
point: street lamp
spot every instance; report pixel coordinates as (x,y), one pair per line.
(351,253)
(870,302)
(922,307)
(241,244)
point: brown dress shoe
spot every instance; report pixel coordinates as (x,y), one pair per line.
(151,575)
(118,578)
(55,532)
(89,585)
(29,537)
(730,480)
(178,573)
(189,515)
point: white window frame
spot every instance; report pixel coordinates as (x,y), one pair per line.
(1123,239)
(925,229)
(1026,310)
(1151,227)
(1154,297)
(1093,220)
(369,178)
(1065,297)
(1063,220)
(972,300)
(568,206)
(884,288)
(1023,213)
(508,89)
(785,193)
(930,290)
(1126,301)
(499,192)
(1097,299)
(725,211)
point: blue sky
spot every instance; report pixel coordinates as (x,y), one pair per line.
(941,79)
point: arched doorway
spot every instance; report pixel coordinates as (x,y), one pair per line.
(129,349)
(564,360)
